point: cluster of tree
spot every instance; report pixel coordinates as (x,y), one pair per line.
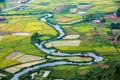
(27,76)
(8,75)
(94,16)
(112,73)
(44,3)
(118,38)
(84,3)
(115,25)
(118,12)
(35,38)
(2,2)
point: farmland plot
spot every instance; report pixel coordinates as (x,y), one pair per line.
(74,58)
(63,43)
(29,58)
(1,38)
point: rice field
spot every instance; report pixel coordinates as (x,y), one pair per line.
(16,68)
(74,58)
(17,33)
(63,43)
(83,28)
(71,37)
(1,38)
(20,28)
(64,18)
(29,58)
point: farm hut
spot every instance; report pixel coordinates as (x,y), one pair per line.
(96,21)
(81,12)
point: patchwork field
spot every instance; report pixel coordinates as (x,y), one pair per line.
(15,37)
(88,25)
(19,67)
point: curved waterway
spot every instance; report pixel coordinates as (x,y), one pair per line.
(55,52)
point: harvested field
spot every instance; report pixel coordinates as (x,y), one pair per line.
(20,34)
(63,43)
(29,64)
(69,31)
(19,67)
(74,58)
(83,72)
(12,69)
(12,55)
(103,66)
(29,58)
(1,38)
(60,19)
(71,37)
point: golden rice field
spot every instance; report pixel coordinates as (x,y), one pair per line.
(11,43)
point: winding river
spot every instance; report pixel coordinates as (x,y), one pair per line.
(55,52)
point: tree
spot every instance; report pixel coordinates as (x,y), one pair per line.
(90,17)
(35,38)
(4,3)
(118,38)
(118,12)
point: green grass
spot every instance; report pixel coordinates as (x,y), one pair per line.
(83,27)
(7,63)
(69,17)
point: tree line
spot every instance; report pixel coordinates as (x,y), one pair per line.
(115,25)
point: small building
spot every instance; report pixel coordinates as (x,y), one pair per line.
(81,12)
(96,21)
